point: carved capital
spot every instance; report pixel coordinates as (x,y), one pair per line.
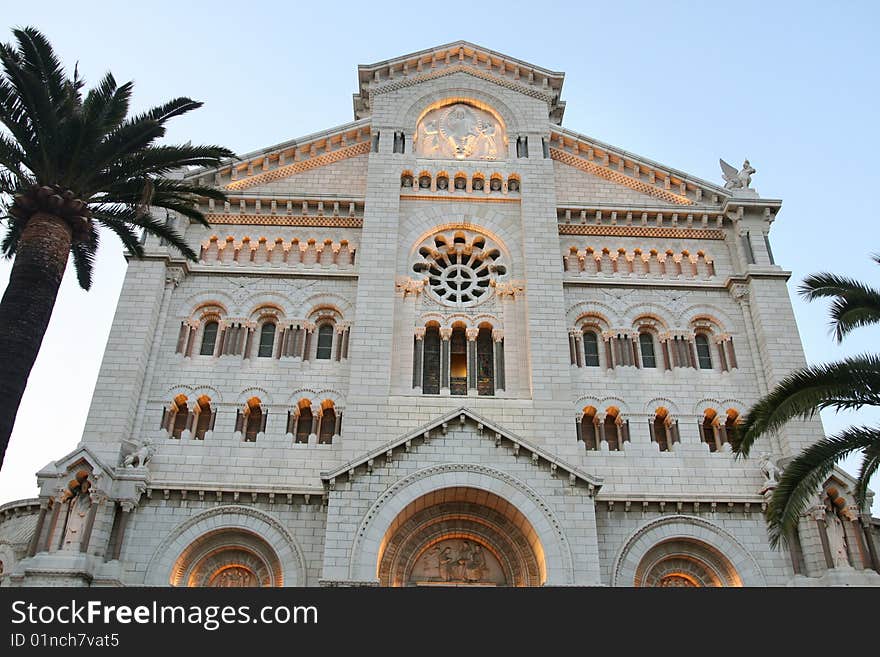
(509,289)
(497,335)
(472,334)
(445,333)
(419,332)
(409,286)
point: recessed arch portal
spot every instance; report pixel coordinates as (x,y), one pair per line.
(461,536)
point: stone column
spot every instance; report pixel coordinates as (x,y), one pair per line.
(340,333)
(418,355)
(307,342)
(35,542)
(125,510)
(313,435)
(609,358)
(471,334)
(498,344)
(445,335)
(870,544)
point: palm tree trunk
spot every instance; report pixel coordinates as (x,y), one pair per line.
(26,308)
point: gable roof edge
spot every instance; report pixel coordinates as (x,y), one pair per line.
(592,481)
(645,162)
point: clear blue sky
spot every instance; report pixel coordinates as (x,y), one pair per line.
(790,85)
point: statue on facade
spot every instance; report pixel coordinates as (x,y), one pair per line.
(141,455)
(77,496)
(736,179)
(834,529)
(771,472)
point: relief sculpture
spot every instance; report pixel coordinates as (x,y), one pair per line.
(460,132)
(458,562)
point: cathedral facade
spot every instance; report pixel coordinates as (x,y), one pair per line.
(450,343)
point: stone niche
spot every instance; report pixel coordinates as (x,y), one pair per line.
(462,132)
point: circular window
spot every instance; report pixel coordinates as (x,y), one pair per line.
(459,268)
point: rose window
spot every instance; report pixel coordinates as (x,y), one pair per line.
(459,268)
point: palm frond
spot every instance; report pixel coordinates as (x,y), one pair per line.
(870,463)
(39,59)
(9,243)
(848,384)
(116,218)
(855,304)
(806,472)
(83,252)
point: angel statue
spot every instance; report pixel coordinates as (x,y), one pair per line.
(736,179)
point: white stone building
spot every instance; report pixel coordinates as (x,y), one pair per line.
(449,343)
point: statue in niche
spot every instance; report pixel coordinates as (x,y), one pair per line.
(77,496)
(736,179)
(140,456)
(836,537)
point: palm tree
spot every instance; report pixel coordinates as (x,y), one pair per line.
(69,163)
(852,383)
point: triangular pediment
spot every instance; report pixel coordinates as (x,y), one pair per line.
(486,430)
(648,180)
(65,464)
(459,57)
(259,169)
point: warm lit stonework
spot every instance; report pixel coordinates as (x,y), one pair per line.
(451,343)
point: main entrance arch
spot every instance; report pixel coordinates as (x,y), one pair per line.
(460,536)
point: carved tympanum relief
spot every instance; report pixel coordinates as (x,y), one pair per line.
(458,562)
(460,132)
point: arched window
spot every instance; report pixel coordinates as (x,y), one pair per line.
(431,369)
(731,426)
(205,417)
(704,353)
(591,349)
(588,429)
(209,338)
(485,362)
(304,423)
(176,418)
(251,420)
(646,345)
(325,342)
(610,430)
(328,424)
(708,431)
(458,361)
(664,430)
(267,340)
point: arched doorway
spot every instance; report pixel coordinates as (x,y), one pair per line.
(685,563)
(461,536)
(227,558)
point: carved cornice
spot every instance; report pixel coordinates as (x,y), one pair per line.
(482,74)
(642,231)
(458,195)
(286,220)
